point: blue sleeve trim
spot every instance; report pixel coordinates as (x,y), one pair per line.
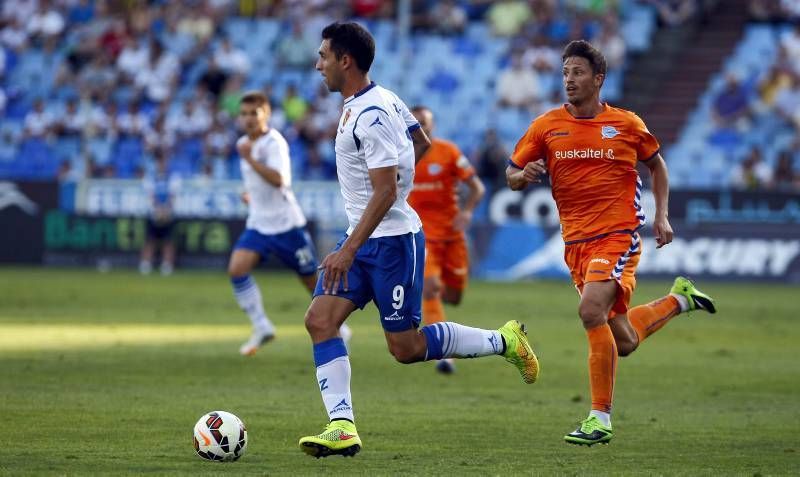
(413,128)
(514,165)
(327,351)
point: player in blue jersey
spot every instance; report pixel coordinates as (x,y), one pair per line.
(275,223)
(160,189)
(381,257)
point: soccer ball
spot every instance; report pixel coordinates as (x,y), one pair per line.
(220,436)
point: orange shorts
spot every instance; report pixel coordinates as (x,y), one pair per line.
(449,260)
(614,257)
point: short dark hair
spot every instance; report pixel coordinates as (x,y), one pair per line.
(255,97)
(352,39)
(418,108)
(584,49)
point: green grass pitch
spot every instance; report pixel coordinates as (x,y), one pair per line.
(107,374)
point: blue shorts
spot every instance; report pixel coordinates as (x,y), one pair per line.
(294,248)
(388,271)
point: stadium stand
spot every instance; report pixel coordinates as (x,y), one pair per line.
(119,80)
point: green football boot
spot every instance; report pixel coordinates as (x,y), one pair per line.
(590,432)
(339,438)
(519,352)
(697,299)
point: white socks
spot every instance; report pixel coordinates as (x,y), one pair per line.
(249,298)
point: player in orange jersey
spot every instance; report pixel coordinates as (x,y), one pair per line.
(590,151)
(435,198)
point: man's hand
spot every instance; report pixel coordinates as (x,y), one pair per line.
(663,231)
(334,268)
(534,171)
(244,148)
(245,197)
(463,219)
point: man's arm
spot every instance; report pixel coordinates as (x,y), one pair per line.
(518,179)
(267,173)
(660,175)
(336,265)
(474,196)
(421,143)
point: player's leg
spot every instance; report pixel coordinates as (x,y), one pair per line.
(432,307)
(597,268)
(597,299)
(398,294)
(323,320)
(146,256)
(684,296)
(455,271)
(244,259)
(296,250)
(167,253)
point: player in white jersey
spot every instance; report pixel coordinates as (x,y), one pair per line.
(381,257)
(275,223)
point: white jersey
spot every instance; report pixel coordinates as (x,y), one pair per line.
(271,210)
(374,131)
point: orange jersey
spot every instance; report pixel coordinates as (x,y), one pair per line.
(435,192)
(592,168)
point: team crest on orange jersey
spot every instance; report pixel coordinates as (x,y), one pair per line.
(434,169)
(608,132)
(344,121)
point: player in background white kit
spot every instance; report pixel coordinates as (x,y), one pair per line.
(381,257)
(275,223)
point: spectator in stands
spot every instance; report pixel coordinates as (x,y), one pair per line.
(294,106)
(612,45)
(790,9)
(133,58)
(674,12)
(790,44)
(518,86)
(197,23)
(732,105)
(46,22)
(14,36)
(158,77)
(506,17)
(231,96)
(784,176)
(491,159)
(99,77)
(133,122)
(448,17)
(38,122)
(158,137)
(231,59)
(213,79)
(295,50)
(217,148)
(787,102)
(541,56)
(751,173)
(72,122)
(191,121)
